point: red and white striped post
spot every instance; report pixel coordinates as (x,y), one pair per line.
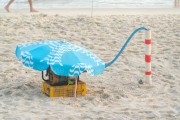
(148,57)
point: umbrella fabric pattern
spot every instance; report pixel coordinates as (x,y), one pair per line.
(64,58)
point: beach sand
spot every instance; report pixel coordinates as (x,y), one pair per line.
(113,95)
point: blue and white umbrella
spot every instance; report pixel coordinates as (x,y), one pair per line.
(65,59)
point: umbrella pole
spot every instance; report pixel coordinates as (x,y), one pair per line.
(92,9)
(75,87)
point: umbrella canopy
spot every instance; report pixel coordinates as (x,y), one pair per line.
(65,59)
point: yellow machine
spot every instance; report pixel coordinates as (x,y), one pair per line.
(64,90)
(62,86)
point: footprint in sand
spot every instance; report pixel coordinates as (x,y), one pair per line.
(105,96)
(7,93)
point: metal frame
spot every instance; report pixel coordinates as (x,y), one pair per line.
(47,74)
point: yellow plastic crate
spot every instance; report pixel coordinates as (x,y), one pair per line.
(63,91)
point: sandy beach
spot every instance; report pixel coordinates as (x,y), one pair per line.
(113,95)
